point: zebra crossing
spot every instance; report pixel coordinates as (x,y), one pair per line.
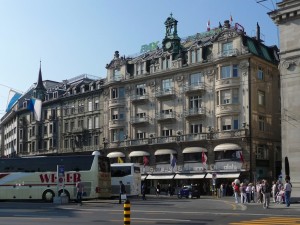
(270,221)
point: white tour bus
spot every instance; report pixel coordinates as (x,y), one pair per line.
(37,177)
(129,174)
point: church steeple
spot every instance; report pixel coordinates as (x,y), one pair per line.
(40,90)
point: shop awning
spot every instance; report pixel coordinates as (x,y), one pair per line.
(194,149)
(226,147)
(165,152)
(143,177)
(138,153)
(224,175)
(115,154)
(160,177)
(189,176)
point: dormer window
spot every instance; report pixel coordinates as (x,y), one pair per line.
(116,75)
(55,94)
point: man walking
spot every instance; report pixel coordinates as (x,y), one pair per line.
(287,192)
(79,187)
(266,191)
(122,191)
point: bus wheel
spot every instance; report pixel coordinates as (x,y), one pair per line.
(64,193)
(48,196)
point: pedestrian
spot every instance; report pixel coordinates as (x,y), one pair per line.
(266,191)
(80,189)
(122,191)
(274,190)
(236,190)
(248,192)
(144,191)
(287,192)
(243,193)
(157,189)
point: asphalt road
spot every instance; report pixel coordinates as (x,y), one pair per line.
(155,210)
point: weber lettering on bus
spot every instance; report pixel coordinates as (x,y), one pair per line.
(52,178)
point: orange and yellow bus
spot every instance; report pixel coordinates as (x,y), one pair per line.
(37,177)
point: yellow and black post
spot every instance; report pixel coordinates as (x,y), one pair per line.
(126,212)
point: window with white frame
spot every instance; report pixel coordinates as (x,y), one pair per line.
(196,79)
(261,98)
(230,123)
(141,89)
(166,132)
(90,105)
(117,93)
(117,75)
(235,96)
(140,135)
(261,123)
(96,122)
(195,128)
(262,152)
(193,55)
(117,114)
(96,104)
(195,102)
(117,134)
(167,111)
(166,62)
(260,73)
(227,48)
(167,85)
(90,123)
(226,96)
(229,71)
(141,115)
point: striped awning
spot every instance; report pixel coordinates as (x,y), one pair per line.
(115,154)
(194,149)
(227,147)
(138,153)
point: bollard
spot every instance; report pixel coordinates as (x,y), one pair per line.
(126,212)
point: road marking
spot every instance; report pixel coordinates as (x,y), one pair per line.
(158,219)
(270,221)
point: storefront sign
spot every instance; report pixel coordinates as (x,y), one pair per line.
(149,47)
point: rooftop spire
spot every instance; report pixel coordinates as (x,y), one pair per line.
(40,88)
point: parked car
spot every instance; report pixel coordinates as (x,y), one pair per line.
(189,191)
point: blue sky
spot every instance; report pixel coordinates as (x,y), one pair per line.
(73,37)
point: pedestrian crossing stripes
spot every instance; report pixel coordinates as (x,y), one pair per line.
(270,221)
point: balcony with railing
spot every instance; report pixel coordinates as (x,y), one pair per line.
(116,123)
(195,112)
(117,102)
(194,87)
(139,120)
(166,116)
(139,98)
(167,92)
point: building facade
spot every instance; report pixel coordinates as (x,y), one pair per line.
(214,93)
(203,110)
(287,18)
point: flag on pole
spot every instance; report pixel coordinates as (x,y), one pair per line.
(145,160)
(13,97)
(120,160)
(231,20)
(208,25)
(204,158)
(240,156)
(35,106)
(173,161)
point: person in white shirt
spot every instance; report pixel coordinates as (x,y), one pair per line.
(274,191)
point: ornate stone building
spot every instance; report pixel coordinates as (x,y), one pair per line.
(214,93)
(287,18)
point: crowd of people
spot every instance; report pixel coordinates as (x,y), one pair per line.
(263,192)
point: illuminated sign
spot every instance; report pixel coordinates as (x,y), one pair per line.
(150,47)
